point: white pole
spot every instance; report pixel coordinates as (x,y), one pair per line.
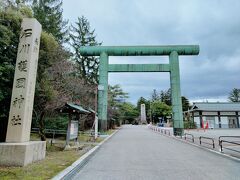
(96,126)
(96,117)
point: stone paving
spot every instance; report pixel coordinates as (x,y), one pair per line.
(136,152)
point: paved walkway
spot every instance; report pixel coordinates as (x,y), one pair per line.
(136,152)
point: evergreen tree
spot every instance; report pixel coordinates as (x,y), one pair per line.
(234,95)
(82,35)
(116,94)
(116,97)
(155,95)
(165,96)
(142,100)
(49,14)
(128,112)
(185,103)
(160,109)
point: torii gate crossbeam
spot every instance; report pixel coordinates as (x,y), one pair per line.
(173,67)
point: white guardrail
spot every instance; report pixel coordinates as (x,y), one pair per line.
(164,130)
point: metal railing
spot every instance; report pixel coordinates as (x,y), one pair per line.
(186,136)
(60,132)
(166,130)
(50,131)
(208,138)
(54,132)
(234,143)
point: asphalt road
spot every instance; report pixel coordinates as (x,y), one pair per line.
(136,152)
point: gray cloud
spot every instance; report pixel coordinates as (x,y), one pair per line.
(214,25)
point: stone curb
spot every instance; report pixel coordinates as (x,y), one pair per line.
(70,171)
(201,147)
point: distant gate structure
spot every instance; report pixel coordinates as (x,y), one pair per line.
(173,68)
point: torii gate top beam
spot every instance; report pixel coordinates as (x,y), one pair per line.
(139,50)
(138,68)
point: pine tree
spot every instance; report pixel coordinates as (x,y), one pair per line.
(49,14)
(155,95)
(82,35)
(234,95)
(116,97)
(185,103)
(165,96)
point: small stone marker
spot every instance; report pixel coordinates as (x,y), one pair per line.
(18,150)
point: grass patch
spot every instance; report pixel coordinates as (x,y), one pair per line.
(110,131)
(56,160)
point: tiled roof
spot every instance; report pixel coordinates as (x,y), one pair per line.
(218,106)
(77,107)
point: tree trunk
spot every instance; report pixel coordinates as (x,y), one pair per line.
(3,128)
(42,127)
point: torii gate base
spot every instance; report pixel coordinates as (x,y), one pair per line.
(173,67)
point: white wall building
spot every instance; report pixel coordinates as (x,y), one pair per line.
(218,115)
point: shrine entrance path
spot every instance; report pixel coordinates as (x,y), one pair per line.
(136,152)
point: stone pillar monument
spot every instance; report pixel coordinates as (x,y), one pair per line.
(18,150)
(143,119)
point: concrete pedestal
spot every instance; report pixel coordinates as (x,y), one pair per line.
(21,154)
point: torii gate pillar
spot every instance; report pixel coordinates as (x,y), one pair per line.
(103,91)
(177,114)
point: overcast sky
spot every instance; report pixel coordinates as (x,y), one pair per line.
(212,24)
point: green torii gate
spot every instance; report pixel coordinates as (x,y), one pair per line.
(173,67)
